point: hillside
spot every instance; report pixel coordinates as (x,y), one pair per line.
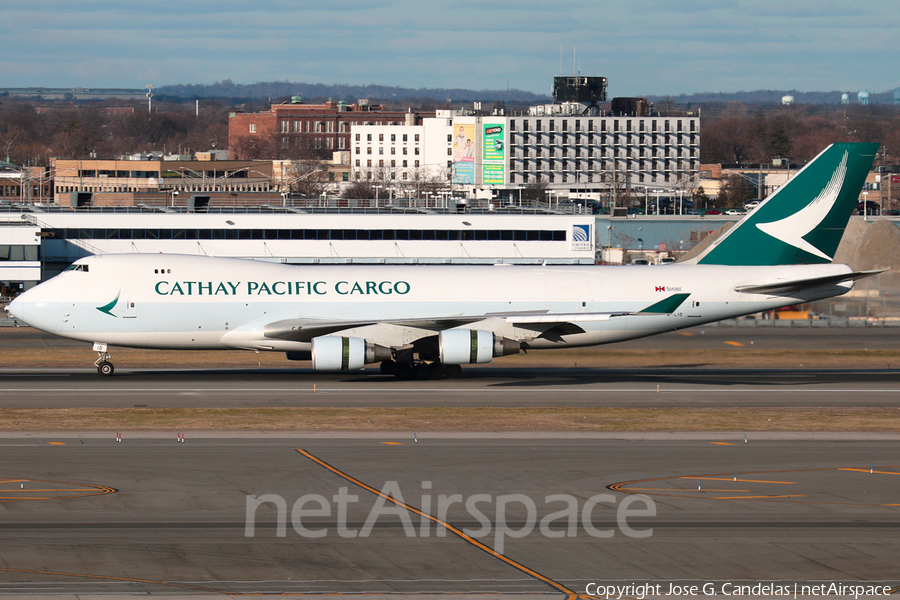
(349,93)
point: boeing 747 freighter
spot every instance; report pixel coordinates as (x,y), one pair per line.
(425,321)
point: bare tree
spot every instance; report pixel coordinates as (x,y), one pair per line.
(308,178)
(536,190)
(252,147)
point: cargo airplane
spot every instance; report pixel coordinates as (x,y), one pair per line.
(423,321)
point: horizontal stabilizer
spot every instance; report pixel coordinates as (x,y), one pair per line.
(798,285)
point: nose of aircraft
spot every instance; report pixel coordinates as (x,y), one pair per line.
(16,309)
(36,308)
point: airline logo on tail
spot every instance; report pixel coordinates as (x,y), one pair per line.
(804,220)
(792,229)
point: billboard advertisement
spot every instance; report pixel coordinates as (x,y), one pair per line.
(464,154)
(493,155)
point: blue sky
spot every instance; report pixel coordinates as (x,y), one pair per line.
(645,47)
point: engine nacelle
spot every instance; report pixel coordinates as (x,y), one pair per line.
(473,346)
(336,353)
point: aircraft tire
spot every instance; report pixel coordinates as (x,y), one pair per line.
(389,367)
(453,371)
(403,371)
(105,368)
(421,372)
(436,370)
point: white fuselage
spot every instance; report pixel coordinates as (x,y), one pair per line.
(189,302)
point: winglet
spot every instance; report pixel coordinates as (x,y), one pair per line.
(665,306)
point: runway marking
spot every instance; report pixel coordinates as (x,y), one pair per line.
(678,490)
(776,388)
(731,479)
(49,490)
(756,497)
(57,443)
(722,443)
(457,532)
(685,333)
(392,443)
(111,578)
(625,486)
(734,344)
(91,490)
(870,471)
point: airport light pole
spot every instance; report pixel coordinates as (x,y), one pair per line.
(198,173)
(376,188)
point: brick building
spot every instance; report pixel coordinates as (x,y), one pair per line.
(298,130)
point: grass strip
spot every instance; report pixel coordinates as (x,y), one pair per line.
(476,419)
(727,357)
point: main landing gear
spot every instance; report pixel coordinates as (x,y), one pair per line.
(104,367)
(420,370)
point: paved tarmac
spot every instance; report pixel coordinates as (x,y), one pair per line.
(152,516)
(687,384)
(494,386)
(83,516)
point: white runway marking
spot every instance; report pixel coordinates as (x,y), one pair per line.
(774,388)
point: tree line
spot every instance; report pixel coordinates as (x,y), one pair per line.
(32,133)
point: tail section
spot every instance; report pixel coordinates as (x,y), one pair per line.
(804,220)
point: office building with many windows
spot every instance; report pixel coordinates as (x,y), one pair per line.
(556,147)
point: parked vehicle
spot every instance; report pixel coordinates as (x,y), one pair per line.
(868,208)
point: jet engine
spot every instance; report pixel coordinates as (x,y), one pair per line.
(464,346)
(336,353)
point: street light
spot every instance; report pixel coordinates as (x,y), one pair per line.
(198,173)
(226,175)
(376,188)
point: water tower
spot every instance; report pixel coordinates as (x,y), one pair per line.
(845,98)
(863,98)
(896,95)
(787,100)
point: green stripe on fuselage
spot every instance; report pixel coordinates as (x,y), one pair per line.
(667,306)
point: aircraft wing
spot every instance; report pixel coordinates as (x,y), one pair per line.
(304,330)
(798,285)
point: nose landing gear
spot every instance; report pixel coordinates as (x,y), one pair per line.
(104,367)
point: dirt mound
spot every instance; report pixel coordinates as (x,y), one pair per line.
(866,245)
(877,248)
(705,243)
(856,231)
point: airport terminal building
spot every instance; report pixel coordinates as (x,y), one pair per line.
(38,245)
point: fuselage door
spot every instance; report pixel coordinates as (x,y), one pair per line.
(695,305)
(128,309)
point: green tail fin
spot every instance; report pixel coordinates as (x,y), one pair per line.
(804,220)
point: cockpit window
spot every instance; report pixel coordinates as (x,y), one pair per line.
(76,267)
